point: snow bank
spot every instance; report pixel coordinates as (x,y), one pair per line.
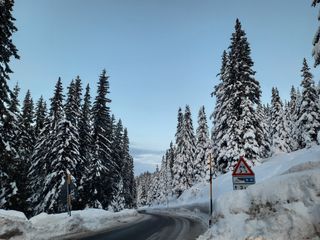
(270,168)
(284,204)
(14,225)
(47,226)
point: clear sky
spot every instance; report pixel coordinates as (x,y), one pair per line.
(159,54)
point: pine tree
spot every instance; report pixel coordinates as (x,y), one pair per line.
(118,160)
(170,158)
(179,166)
(237,128)
(128,176)
(73,112)
(41,159)
(264,119)
(27,136)
(64,158)
(316,41)
(143,183)
(189,145)
(26,145)
(154,191)
(218,116)
(85,148)
(56,109)
(202,145)
(40,116)
(293,115)
(278,130)
(102,130)
(309,114)
(8,119)
(73,103)
(118,201)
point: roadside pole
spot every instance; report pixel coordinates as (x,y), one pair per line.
(68,193)
(210,212)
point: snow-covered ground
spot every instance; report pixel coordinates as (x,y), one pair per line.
(14,225)
(283,204)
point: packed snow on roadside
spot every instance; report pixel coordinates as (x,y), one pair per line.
(14,225)
(283,204)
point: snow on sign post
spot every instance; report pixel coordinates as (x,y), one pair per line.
(242,175)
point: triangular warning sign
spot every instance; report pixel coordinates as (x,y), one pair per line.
(242,168)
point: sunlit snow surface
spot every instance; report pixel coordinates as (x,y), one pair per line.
(284,204)
(47,226)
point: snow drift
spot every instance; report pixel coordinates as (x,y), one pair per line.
(14,225)
(284,204)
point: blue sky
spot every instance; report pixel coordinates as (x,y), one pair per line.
(160,54)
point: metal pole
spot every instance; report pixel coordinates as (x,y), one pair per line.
(68,194)
(210,213)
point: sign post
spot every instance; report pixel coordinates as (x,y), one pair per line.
(210,212)
(242,175)
(68,193)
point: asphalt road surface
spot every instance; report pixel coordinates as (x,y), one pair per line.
(154,226)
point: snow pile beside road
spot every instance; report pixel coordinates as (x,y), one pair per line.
(270,168)
(14,225)
(284,204)
(53,226)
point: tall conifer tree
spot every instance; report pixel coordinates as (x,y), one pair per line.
(102,130)
(237,129)
(8,119)
(309,114)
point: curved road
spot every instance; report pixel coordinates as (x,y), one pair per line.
(154,226)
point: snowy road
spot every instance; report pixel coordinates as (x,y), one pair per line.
(154,226)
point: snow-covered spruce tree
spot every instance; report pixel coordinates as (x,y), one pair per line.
(63,158)
(189,147)
(309,114)
(179,165)
(264,119)
(154,191)
(8,119)
(202,145)
(40,116)
(143,187)
(128,176)
(164,181)
(85,148)
(171,158)
(27,135)
(118,159)
(279,133)
(293,116)
(316,40)
(287,125)
(102,166)
(218,116)
(73,113)
(56,108)
(318,89)
(26,146)
(40,160)
(118,201)
(239,125)
(167,176)
(73,103)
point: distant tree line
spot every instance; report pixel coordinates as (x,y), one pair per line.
(40,144)
(242,126)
